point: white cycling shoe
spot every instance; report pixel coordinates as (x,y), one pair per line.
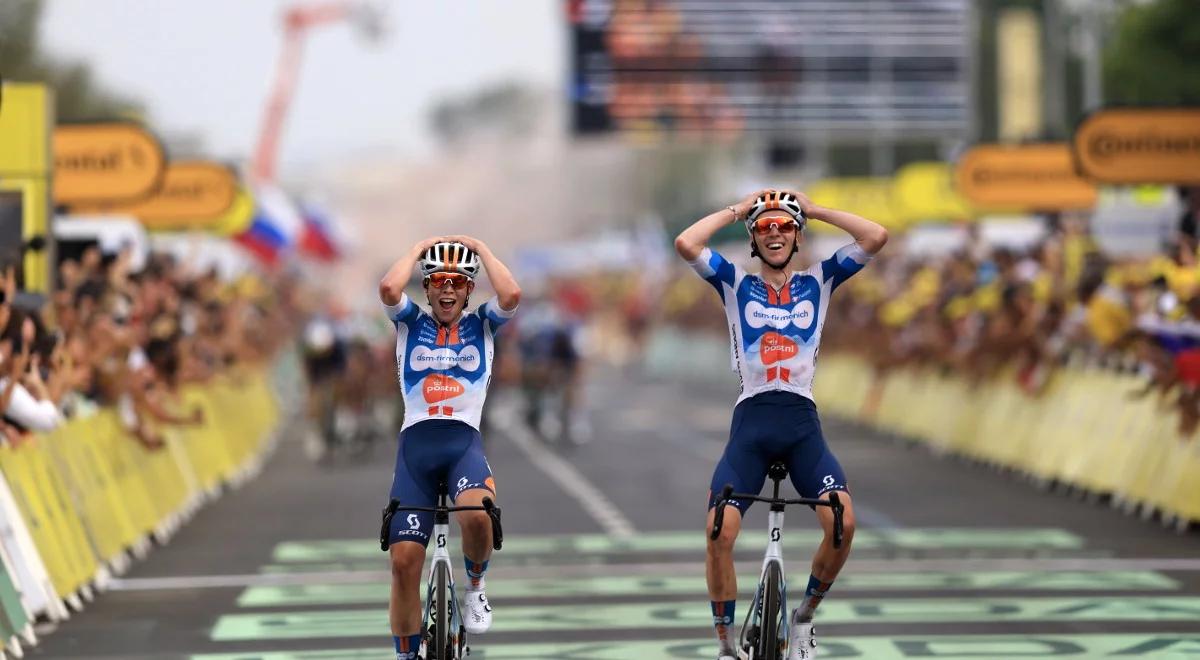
(802,641)
(477,612)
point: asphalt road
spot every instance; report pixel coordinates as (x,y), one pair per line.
(604,556)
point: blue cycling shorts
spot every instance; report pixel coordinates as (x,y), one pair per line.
(431,452)
(770,427)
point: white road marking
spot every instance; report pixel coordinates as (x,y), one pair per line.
(569,479)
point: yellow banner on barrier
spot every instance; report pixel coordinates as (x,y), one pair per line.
(1080,428)
(89,491)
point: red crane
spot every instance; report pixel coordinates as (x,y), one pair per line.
(297,21)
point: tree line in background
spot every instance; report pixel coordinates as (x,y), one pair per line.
(78,94)
(1153,54)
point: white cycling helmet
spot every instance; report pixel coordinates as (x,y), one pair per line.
(449,258)
(776,201)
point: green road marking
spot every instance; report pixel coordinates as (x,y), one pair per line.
(598,544)
(957,647)
(364,623)
(743,552)
(342,594)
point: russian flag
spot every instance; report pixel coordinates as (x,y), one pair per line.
(318,237)
(276,225)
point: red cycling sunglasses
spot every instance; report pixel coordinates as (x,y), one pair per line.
(457,280)
(763,226)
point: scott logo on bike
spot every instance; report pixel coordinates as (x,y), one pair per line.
(775,535)
(441,540)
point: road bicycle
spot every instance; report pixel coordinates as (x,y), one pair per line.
(764,633)
(442,632)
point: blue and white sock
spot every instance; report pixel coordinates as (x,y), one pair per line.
(813,596)
(475,571)
(407,646)
(722,611)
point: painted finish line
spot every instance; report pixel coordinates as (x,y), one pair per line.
(964,647)
(364,623)
(1024,538)
(346,594)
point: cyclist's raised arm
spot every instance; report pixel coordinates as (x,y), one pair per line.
(870,236)
(692,241)
(391,287)
(508,292)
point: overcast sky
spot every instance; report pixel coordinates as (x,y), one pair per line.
(204,66)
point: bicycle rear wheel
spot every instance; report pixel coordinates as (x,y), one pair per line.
(439,643)
(768,647)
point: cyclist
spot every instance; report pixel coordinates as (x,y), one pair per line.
(775,321)
(443,360)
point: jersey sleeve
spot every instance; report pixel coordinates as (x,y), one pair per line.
(405,311)
(493,315)
(844,263)
(715,269)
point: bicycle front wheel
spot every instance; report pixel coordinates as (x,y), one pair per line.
(769,646)
(439,644)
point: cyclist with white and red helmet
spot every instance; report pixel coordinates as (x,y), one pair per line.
(443,362)
(775,320)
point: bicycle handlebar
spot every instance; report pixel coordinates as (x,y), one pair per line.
(488,506)
(727,497)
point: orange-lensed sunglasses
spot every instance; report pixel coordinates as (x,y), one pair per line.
(763,226)
(457,280)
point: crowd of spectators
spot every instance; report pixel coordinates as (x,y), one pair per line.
(111,337)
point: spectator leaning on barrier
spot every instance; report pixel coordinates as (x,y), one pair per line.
(112,337)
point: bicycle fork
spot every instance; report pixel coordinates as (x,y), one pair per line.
(774,555)
(441,556)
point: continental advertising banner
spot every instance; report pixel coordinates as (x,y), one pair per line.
(1033,177)
(104,163)
(1139,145)
(193,195)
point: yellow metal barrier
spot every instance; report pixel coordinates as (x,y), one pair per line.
(89,492)
(1085,429)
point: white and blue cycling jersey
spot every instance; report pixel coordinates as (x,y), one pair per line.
(444,370)
(775,334)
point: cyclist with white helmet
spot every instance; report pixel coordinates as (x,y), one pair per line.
(775,320)
(443,361)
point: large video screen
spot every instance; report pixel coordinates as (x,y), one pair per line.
(783,66)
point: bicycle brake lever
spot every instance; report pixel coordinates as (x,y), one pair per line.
(719,514)
(838,521)
(493,513)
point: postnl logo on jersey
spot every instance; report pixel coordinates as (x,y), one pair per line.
(438,388)
(441,359)
(774,347)
(803,315)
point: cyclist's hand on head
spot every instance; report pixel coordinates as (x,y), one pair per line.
(744,205)
(806,204)
(424,245)
(472,243)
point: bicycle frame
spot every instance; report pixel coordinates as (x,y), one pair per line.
(441,558)
(441,555)
(774,554)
